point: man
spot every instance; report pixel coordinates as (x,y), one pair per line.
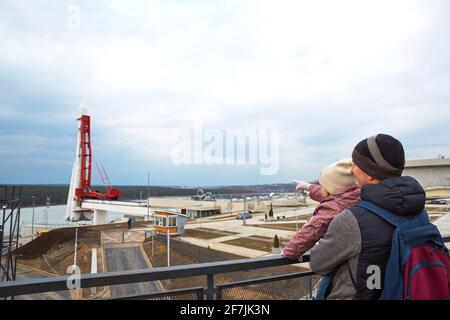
(358,240)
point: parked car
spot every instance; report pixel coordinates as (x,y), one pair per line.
(244,214)
(437,201)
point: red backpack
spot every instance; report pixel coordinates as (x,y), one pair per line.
(419,265)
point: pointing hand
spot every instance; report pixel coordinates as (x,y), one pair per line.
(301,185)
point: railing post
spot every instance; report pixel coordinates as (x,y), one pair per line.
(219,294)
(200,295)
(309,279)
(210,286)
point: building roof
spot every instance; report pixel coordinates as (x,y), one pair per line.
(427,163)
(202,208)
(171,212)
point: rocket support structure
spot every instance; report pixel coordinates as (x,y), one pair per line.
(74,212)
(80,183)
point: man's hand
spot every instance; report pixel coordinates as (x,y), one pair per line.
(301,185)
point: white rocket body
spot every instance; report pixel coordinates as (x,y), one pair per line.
(73,210)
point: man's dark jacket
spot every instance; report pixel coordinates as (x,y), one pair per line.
(357,239)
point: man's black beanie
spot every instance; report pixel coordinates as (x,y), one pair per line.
(381,156)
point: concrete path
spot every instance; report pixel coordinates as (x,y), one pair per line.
(240,251)
(284,222)
(123,258)
(228,238)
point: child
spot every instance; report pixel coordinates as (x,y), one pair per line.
(337,191)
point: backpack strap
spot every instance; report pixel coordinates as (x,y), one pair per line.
(382,213)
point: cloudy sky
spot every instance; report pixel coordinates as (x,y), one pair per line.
(325,74)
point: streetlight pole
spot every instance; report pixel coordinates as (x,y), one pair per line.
(148,207)
(76,248)
(153,234)
(168,246)
(148,196)
(32,219)
(46,211)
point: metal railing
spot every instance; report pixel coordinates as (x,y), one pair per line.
(279,287)
(182,294)
(52,284)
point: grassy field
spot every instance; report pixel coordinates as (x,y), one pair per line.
(281,226)
(254,242)
(204,233)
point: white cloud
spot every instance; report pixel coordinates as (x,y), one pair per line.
(326,73)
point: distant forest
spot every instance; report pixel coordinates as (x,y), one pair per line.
(58,193)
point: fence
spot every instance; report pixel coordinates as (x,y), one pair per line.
(31,286)
(121,237)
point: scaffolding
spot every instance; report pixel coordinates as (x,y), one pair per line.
(10,200)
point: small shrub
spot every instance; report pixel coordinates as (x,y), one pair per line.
(276,242)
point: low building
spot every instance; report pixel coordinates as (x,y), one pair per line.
(201,212)
(171,222)
(432,174)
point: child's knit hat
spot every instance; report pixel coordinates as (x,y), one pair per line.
(337,176)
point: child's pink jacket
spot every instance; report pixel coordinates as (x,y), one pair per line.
(305,238)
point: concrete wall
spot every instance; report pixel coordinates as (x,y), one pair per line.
(430,176)
(177,202)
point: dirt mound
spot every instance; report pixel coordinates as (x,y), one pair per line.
(44,243)
(86,235)
(55,239)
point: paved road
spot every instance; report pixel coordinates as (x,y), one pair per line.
(119,258)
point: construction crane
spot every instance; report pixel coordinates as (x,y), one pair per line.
(110,191)
(83,191)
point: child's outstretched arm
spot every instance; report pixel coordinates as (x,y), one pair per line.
(305,238)
(314,189)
